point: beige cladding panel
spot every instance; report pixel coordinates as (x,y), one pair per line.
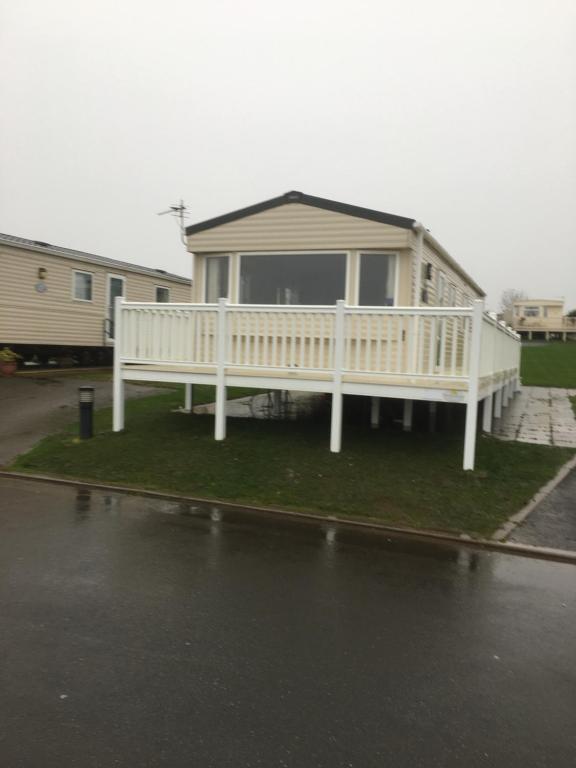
(298,227)
(439,263)
(53,316)
(404,298)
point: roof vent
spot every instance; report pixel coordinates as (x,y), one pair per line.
(40,242)
(294,195)
(162,271)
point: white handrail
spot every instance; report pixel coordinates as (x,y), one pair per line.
(413,341)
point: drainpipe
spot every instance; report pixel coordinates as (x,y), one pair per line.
(416,299)
(419,258)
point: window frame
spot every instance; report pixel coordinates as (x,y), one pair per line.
(532,311)
(205,276)
(378,252)
(441,295)
(73,287)
(161,288)
(332,251)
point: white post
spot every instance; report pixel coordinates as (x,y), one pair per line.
(498,403)
(407,416)
(336,421)
(487,413)
(118,381)
(220,414)
(473,384)
(505,393)
(432,414)
(188,398)
(375,412)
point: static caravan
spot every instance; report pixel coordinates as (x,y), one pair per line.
(542,319)
(56,304)
(300,293)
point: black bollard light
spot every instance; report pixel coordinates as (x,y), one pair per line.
(86,406)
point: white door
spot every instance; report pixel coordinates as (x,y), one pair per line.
(115,289)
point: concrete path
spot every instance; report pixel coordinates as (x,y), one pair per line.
(33,407)
(540,415)
(553,522)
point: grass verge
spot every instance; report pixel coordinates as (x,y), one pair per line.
(404,479)
(549,365)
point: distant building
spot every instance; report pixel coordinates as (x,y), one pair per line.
(542,319)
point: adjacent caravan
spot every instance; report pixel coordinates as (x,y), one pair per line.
(307,294)
(57,304)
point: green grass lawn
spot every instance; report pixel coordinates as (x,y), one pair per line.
(549,365)
(402,479)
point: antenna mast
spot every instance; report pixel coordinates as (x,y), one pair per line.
(180,213)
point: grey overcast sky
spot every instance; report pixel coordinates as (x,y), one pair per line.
(461,114)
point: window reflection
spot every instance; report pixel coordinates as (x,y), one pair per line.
(216,278)
(295,278)
(377,279)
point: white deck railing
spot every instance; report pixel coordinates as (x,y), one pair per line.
(459,353)
(407,341)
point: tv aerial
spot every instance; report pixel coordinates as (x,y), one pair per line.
(180,213)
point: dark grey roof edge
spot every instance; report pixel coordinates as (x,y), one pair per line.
(300,197)
(57,250)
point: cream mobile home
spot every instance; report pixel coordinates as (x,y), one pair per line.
(307,294)
(542,319)
(57,303)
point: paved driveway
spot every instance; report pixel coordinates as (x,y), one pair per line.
(138,633)
(540,415)
(33,407)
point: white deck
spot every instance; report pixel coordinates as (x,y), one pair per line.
(448,354)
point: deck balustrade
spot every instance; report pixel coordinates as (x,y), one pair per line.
(459,354)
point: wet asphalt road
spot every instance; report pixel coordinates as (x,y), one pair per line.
(139,633)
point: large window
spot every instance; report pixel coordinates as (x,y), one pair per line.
(82,286)
(532,312)
(377,279)
(292,278)
(217,268)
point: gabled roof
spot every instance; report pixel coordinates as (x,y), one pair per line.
(303,199)
(56,250)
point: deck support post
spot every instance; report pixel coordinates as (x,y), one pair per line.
(336,423)
(505,395)
(337,397)
(498,403)
(407,415)
(220,412)
(188,398)
(473,386)
(374,412)
(118,385)
(487,413)
(432,415)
